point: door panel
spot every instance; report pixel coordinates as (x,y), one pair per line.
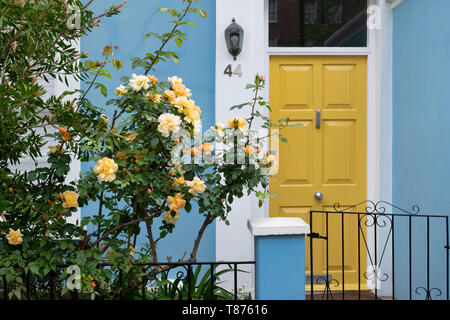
(330,159)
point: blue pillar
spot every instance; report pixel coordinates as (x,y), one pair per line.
(279,257)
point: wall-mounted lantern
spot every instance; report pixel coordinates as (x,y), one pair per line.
(234,36)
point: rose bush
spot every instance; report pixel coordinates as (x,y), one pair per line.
(151,162)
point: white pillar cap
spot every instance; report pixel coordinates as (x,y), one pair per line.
(277,226)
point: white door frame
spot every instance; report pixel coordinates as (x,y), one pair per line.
(253,16)
(373,53)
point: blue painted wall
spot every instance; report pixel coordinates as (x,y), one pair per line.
(421,130)
(280,267)
(197,68)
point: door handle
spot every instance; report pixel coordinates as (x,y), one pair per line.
(318,114)
(318,196)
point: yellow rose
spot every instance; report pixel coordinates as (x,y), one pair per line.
(176,203)
(207,148)
(171,219)
(181,90)
(170,95)
(157,98)
(130,136)
(106,169)
(237,123)
(121,90)
(192,151)
(196,186)
(168,123)
(105,118)
(180,181)
(56,149)
(139,82)
(268,159)
(184,102)
(14,237)
(175,80)
(218,131)
(249,149)
(70,199)
(153,79)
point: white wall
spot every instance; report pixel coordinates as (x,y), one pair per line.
(55,88)
(234,242)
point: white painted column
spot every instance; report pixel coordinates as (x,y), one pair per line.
(235,242)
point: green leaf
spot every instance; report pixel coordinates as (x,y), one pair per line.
(34,268)
(125,79)
(81,259)
(154,142)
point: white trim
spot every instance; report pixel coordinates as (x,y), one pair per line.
(317,51)
(394,3)
(277,226)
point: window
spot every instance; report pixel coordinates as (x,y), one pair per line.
(310,12)
(318,23)
(273,10)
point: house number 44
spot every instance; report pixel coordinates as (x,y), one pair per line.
(229,70)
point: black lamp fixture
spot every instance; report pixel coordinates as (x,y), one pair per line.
(234,36)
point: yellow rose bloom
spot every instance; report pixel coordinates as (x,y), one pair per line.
(237,123)
(153,79)
(121,90)
(170,95)
(106,169)
(176,203)
(130,136)
(218,130)
(249,149)
(105,118)
(268,159)
(189,109)
(181,90)
(14,237)
(175,80)
(139,82)
(157,98)
(192,151)
(192,114)
(206,148)
(171,219)
(184,102)
(56,149)
(168,123)
(70,199)
(180,181)
(196,186)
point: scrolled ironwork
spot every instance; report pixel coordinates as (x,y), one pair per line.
(376,207)
(182,275)
(428,293)
(375,274)
(327,282)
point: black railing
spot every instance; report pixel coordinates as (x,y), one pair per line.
(416,245)
(180,281)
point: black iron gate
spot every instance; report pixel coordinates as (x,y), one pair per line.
(399,254)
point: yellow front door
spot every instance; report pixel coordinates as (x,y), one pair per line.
(327,94)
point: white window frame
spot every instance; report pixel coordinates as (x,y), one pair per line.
(275,20)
